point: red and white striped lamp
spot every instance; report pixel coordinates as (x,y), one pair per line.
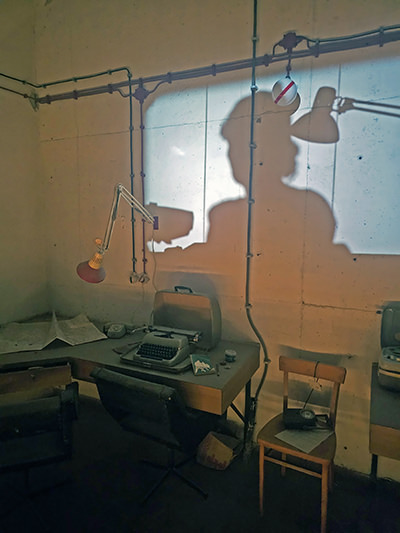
(284,91)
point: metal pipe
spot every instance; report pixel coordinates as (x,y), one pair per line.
(381,37)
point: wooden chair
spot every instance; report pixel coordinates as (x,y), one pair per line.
(322,456)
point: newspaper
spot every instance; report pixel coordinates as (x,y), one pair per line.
(17,337)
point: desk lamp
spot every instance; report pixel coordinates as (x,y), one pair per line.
(92,271)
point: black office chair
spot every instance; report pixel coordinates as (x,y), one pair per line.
(157,412)
(36,427)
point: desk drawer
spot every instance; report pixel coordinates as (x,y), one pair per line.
(34,378)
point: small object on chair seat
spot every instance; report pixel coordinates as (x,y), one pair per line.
(305,441)
(299,418)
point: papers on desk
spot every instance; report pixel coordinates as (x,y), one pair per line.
(304,440)
(16,337)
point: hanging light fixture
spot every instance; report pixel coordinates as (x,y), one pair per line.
(284,91)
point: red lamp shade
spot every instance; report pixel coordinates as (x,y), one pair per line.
(92,270)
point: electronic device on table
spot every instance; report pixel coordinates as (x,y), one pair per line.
(182,321)
(389,360)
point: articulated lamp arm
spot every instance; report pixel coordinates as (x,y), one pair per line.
(92,271)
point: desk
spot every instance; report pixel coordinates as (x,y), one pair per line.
(212,393)
(384,434)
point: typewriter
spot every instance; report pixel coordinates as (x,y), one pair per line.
(161,350)
(182,319)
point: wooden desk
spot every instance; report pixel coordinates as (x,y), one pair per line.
(384,434)
(212,393)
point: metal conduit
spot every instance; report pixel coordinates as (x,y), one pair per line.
(377,37)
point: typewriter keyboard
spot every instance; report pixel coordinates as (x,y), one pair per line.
(155,351)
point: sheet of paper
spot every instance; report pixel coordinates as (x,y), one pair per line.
(78,330)
(304,440)
(22,337)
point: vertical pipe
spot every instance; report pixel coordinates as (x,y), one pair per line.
(252,146)
(142,175)
(252,407)
(131,173)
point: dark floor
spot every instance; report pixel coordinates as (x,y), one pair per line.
(106,483)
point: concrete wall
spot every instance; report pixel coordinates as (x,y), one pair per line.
(308,295)
(23,281)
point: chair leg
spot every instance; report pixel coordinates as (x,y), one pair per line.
(324,496)
(172,468)
(190,483)
(155,486)
(331,476)
(283,468)
(261,479)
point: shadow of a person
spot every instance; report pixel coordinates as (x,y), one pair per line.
(282,216)
(294,258)
(278,211)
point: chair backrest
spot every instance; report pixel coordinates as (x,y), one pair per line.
(317,370)
(150,409)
